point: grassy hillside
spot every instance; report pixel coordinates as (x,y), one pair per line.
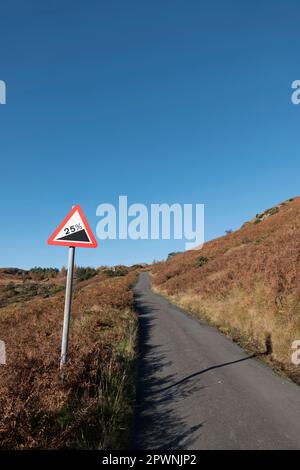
(247,283)
(93,407)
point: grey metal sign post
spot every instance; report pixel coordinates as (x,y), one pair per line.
(67,311)
(2,353)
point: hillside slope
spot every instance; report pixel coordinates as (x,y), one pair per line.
(92,408)
(247,283)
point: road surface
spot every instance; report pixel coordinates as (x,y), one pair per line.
(199,390)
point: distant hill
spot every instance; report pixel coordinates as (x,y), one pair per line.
(9,273)
(246,282)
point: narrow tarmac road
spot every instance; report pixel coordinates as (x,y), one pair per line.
(199,390)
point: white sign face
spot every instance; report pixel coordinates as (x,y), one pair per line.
(2,353)
(74,231)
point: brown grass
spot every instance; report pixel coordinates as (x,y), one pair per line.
(92,409)
(250,285)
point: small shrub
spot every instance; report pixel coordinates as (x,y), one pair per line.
(173,253)
(39,274)
(10,287)
(246,240)
(272,211)
(115,272)
(139,266)
(63,271)
(82,274)
(201,261)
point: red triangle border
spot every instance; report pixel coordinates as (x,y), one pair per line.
(93,243)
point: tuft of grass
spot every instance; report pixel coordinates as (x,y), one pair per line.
(201,261)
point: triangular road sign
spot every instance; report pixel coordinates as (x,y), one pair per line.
(74,231)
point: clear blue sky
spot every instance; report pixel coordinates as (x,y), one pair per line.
(164,101)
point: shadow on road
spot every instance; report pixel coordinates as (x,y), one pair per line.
(157,424)
(191,376)
(160,422)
